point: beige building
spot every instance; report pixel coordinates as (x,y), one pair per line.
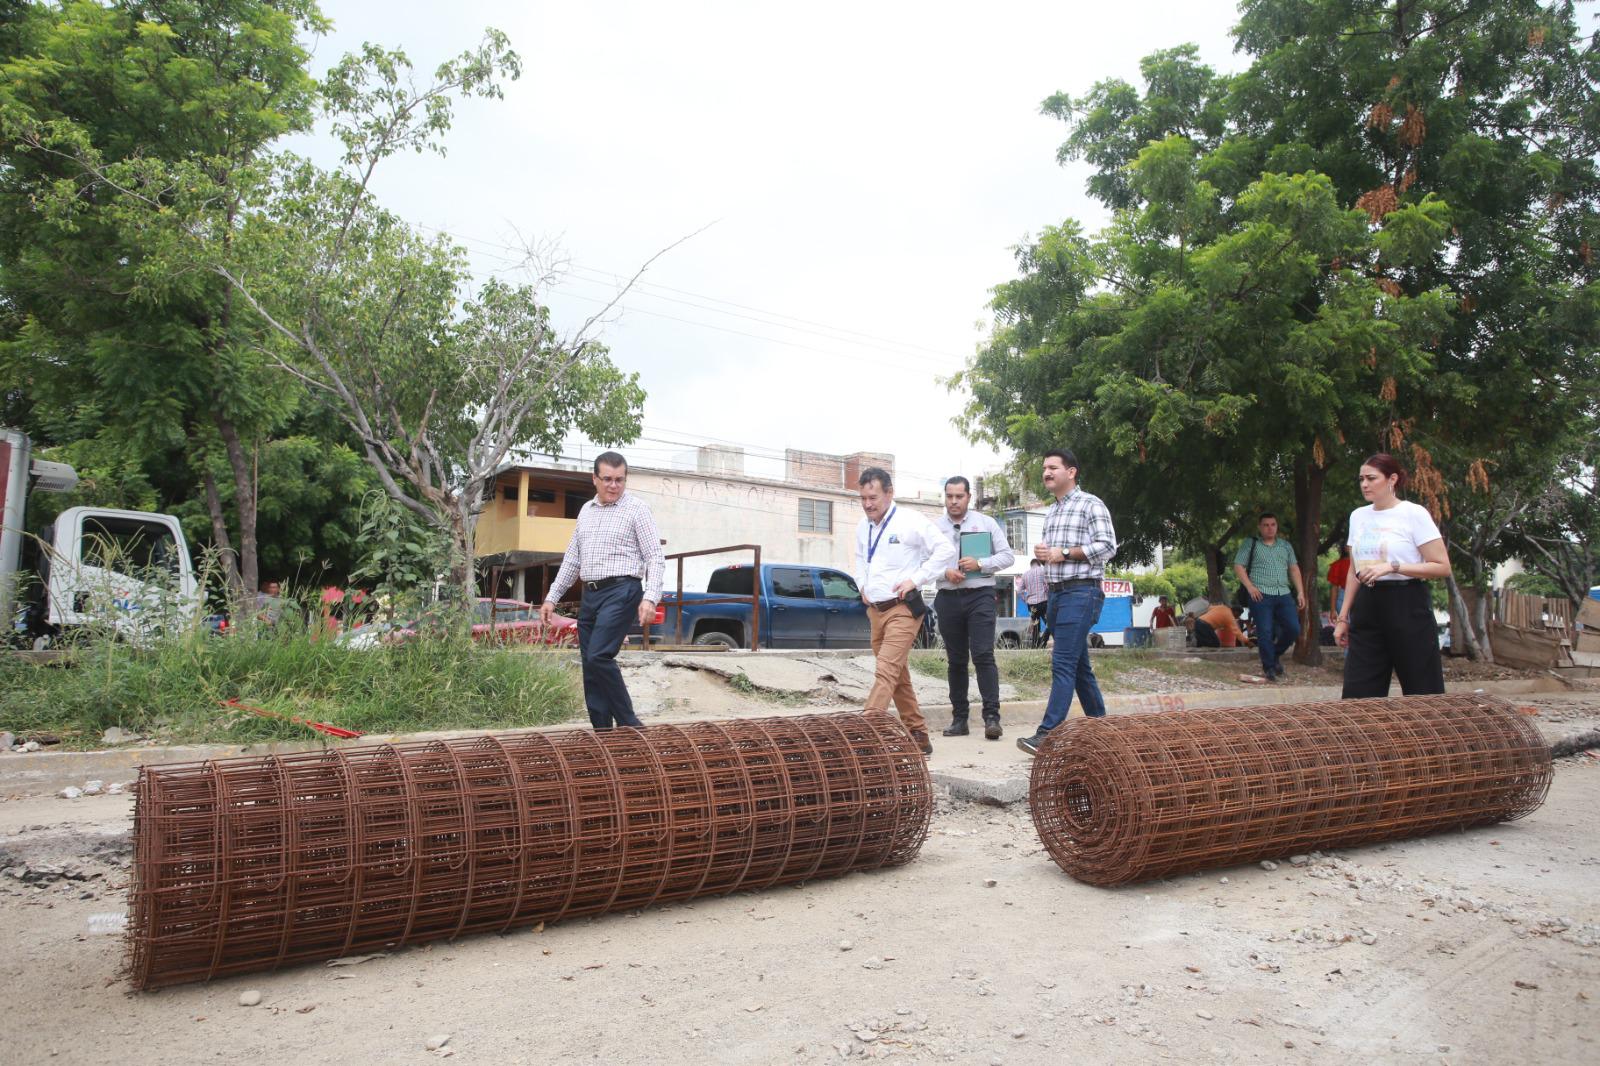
(808,517)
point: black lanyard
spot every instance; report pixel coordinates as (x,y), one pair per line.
(872,542)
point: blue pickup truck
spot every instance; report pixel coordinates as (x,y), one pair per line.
(801,607)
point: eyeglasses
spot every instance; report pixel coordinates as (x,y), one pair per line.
(614,481)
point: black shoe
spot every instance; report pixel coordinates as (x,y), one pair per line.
(1031,744)
(956,728)
(924,745)
(991,729)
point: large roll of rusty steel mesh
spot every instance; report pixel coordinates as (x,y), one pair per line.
(1140,796)
(252,863)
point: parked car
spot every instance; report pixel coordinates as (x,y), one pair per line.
(517,622)
(801,607)
(498,621)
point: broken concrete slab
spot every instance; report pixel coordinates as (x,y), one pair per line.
(790,676)
(997,786)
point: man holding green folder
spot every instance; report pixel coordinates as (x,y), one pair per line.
(965,605)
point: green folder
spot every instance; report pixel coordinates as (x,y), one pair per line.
(977,545)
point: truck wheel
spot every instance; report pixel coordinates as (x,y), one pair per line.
(1096,640)
(1010,640)
(726,640)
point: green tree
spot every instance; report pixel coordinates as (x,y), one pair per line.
(1208,342)
(1560,539)
(437,391)
(1211,344)
(106,335)
(304,272)
(1491,109)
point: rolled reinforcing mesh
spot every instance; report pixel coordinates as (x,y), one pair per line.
(1140,796)
(253,863)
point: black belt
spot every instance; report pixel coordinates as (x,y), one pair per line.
(1397,584)
(607,582)
(884,605)
(1072,582)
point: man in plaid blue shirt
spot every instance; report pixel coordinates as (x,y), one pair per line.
(1078,542)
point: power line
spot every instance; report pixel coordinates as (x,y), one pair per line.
(741,333)
(768,322)
(611,278)
(836,333)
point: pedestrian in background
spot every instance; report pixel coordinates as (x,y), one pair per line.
(1266,567)
(965,605)
(1163,617)
(1338,574)
(616,553)
(1035,592)
(1387,625)
(1078,542)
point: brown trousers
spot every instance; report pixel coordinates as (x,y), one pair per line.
(893,633)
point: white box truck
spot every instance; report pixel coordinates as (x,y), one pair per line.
(129,570)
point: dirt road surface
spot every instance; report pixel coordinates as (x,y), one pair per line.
(1478,947)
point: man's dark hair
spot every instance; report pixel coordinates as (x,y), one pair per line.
(1264,515)
(878,474)
(610,459)
(1066,457)
(966,486)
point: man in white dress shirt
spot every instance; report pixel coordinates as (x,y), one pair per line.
(965,605)
(897,552)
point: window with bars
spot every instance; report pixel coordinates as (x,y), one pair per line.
(1017,531)
(816,516)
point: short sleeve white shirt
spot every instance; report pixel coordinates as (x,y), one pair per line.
(1395,535)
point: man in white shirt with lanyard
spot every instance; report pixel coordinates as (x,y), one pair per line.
(965,605)
(897,552)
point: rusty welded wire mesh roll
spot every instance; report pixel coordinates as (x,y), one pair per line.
(1140,796)
(251,863)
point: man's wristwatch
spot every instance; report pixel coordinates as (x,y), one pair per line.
(1394,566)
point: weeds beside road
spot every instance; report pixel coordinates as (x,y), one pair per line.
(172,690)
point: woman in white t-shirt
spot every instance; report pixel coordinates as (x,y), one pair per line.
(1386,624)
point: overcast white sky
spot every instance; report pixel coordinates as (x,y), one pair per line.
(868,168)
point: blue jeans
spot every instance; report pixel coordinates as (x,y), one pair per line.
(603,620)
(1277,628)
(1073,612)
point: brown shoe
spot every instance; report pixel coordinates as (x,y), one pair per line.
(924,745)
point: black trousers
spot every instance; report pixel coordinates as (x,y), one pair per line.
(966,620)
(1392,630)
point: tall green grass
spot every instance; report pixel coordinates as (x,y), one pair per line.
(172,689)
